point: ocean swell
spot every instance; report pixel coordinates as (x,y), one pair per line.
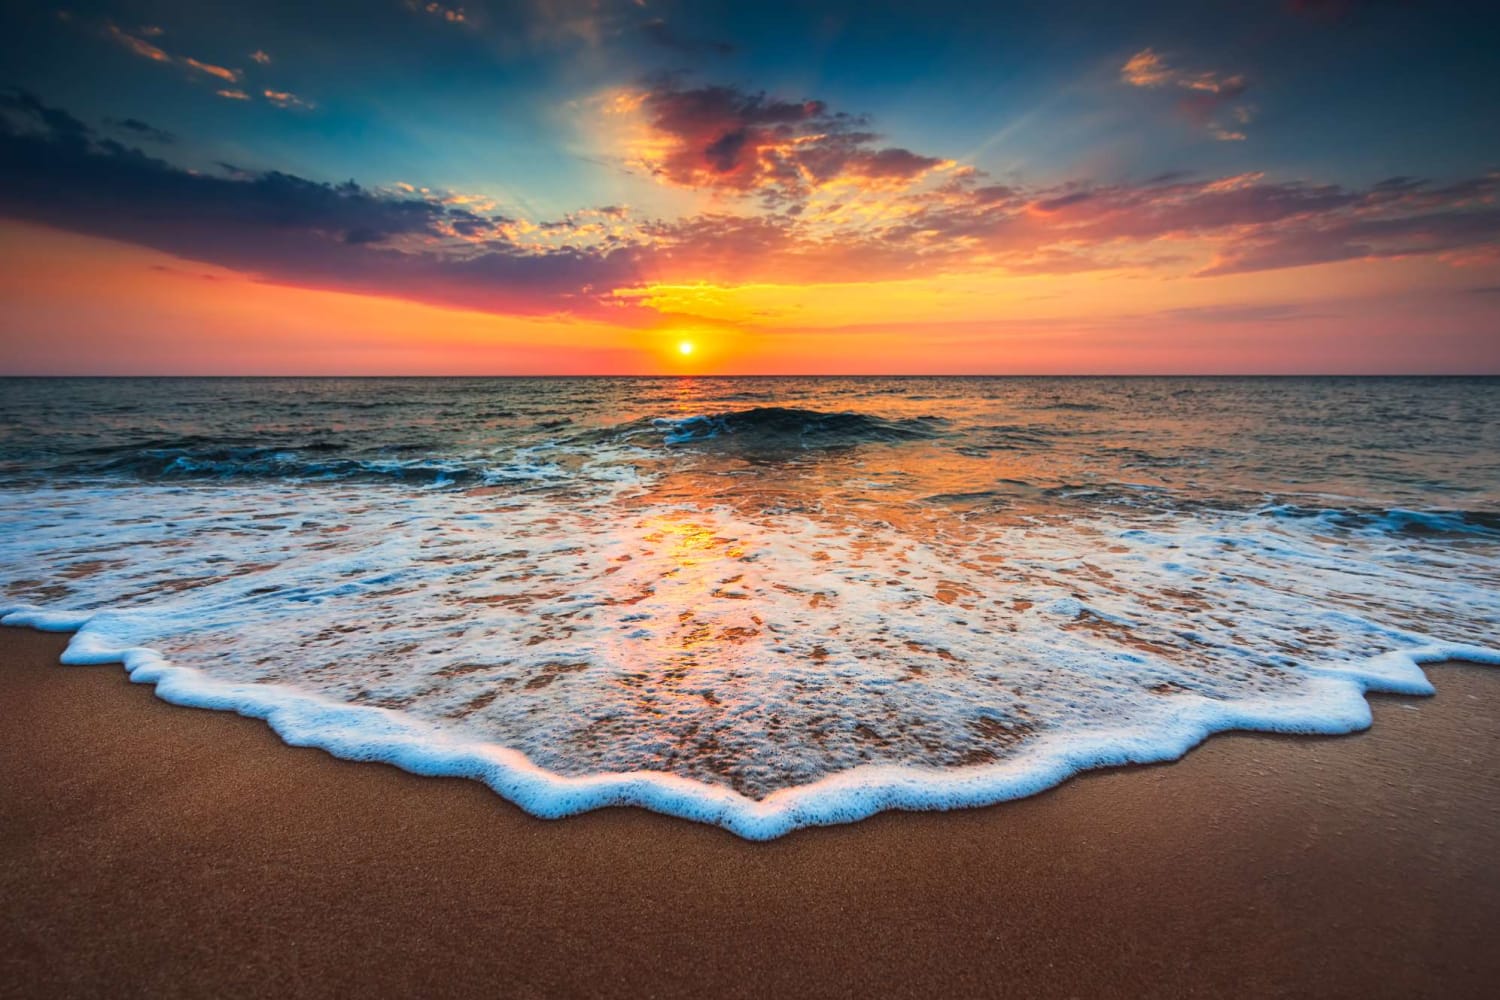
(303,462)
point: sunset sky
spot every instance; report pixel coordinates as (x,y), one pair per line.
(563,186)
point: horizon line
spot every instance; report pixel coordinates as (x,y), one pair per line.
(759,375)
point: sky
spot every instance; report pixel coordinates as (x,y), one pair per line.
(652,187)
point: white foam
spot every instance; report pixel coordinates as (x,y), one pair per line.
(760,670)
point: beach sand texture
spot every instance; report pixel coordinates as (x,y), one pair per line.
(156,850)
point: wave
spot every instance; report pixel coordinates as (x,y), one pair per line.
(227,459)
(1395,520)
(791,427)
(1073,407)
(759,672)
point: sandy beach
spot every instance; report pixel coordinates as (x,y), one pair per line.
(155,850)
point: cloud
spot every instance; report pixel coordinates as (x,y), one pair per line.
(1280,312)
(1146,69)
(1201,95)
(260,57)
(1246,223)
(233,95)
(1376,224)
(56,171)
(731,141)
(139,46)
(453,15)
(140,130)
(458,249)
(1207,227)
(147,50)
(285,99)
(227,75)
(25,108)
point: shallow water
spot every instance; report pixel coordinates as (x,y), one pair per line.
(760,602)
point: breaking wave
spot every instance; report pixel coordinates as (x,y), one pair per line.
(786,427)
(1394,520)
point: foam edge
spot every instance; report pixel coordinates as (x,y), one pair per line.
(1335,705)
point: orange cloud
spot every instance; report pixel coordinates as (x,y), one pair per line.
(453,15)
(155,53)
(228,75)
(1146,69)
(139,46)
(1204,93)
(285,99)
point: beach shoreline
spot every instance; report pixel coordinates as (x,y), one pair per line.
(157,849)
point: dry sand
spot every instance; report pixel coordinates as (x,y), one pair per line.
(147,849)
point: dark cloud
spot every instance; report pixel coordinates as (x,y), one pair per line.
(24,109)
(280,227)
(140,130)
(728,139)
(1063,201)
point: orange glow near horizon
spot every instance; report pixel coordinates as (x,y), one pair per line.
(84,305)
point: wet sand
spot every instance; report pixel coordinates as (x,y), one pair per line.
(147,849)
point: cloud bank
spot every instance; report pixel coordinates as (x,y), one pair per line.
(789,175)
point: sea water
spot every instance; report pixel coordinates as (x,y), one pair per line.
(759,602)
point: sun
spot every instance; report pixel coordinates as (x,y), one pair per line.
(685,347)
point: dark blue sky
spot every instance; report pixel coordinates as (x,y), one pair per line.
(1340,91)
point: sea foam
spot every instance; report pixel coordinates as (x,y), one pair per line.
(759,666)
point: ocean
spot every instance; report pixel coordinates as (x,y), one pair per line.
(764,603)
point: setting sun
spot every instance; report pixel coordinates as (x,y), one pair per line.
(685,348)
